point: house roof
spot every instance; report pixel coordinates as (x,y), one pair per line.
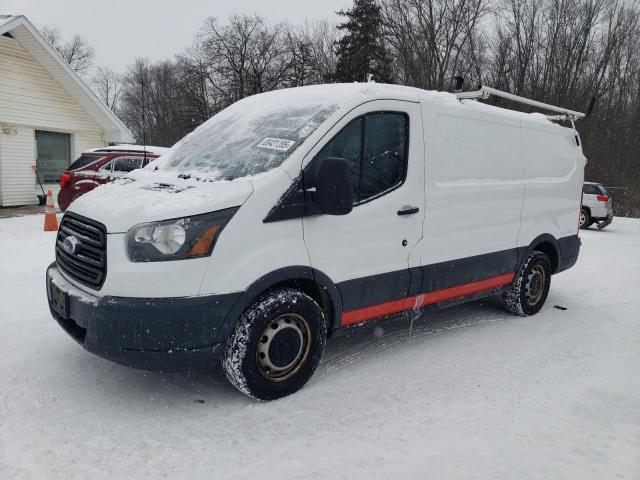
(22,30)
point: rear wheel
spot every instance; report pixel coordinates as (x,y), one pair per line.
(585,218)
(530,287)
(276,346)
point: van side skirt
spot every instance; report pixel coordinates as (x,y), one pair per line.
(392,292)
(415,302)
(441,283)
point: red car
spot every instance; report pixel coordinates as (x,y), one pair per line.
(101,165)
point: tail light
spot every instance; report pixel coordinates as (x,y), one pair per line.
(602,198)
(65,178)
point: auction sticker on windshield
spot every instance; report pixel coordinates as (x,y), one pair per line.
(279,144)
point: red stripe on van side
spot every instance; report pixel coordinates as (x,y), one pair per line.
(416,301)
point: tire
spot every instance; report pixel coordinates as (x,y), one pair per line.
(585,218)
(276,346)
(530,287)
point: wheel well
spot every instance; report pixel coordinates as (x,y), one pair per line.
(586,208)
(550,250)
(315,291)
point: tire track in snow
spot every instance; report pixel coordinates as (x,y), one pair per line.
(359,345)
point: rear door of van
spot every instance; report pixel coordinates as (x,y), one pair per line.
(366,252)
(475,192)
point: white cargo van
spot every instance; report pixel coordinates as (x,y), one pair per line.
(295,215)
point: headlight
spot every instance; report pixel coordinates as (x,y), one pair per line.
(177,239)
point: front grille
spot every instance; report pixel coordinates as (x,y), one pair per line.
(87,263)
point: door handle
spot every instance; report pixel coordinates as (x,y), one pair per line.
(408,211)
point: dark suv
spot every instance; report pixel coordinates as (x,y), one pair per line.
(101,165)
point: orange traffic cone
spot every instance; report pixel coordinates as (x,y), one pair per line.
(50,220)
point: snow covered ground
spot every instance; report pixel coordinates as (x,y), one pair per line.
(472,393)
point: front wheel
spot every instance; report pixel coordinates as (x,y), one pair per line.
(530,287)
(276,346)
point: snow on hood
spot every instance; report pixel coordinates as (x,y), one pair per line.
(146,196)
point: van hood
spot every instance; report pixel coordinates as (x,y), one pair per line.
(145,196)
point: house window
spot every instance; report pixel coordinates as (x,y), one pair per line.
(53,155)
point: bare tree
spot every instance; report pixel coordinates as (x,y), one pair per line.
(433,40)
(297,58)
(77,52)
(108,85)
(160,115)
(268,61)
(52,35)
(229,49)
(321,36)
(199,83)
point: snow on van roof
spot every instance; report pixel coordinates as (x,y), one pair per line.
(353,93)
(125,147)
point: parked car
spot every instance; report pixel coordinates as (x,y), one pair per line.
(296,215)
(101,165)
(597,206)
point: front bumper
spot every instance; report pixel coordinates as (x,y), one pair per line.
(169,334)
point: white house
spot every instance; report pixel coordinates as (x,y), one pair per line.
(48,115)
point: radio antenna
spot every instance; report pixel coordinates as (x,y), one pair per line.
(144,133)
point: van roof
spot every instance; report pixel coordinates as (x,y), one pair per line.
(351,94)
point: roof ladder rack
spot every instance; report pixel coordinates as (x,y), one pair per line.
(485,92)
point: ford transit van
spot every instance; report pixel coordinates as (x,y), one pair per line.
(296,215)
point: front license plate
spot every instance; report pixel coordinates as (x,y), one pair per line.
(59,301)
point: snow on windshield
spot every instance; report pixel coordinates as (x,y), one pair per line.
(250,137)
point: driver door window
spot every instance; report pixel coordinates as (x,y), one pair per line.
(375,147)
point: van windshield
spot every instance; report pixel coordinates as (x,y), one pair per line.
(250,137)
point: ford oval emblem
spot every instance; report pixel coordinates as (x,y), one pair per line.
(70,244)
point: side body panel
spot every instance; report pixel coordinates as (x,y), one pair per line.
(554,174)
(474,187)
(479,164)
(249,248)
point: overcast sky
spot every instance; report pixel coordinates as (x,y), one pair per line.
(120,30)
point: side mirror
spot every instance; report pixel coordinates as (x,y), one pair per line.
(333,187)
